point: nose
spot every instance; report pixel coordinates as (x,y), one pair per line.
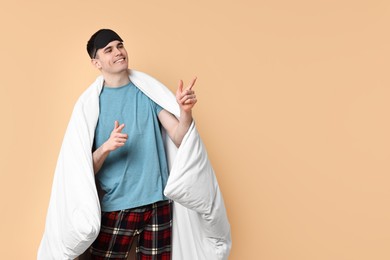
(117,52)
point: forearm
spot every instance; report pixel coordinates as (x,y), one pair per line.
(99,156)
(177,128)
(184,124)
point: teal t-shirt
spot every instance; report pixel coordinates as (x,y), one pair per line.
(135,174)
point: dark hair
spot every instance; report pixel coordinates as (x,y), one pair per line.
(100,39)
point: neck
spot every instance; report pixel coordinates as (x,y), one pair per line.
(116,80)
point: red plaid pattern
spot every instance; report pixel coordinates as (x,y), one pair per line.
(153,224)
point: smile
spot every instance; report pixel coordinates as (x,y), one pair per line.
(120,60)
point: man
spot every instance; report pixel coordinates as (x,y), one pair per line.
(129,161)
(114,139)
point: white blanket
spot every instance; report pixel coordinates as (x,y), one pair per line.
(200,226)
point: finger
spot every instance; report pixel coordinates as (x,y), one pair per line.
(187,97)
(116,124)
(192,83)
(120,135)
(120,140)
(117,145)
(190,101)
(187,93)
(180,86)
(120,128)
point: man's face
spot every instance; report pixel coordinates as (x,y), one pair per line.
(112,58)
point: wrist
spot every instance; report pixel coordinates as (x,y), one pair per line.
(186,113)
(185,119)
(104,148)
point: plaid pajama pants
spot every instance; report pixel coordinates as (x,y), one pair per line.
(153,224)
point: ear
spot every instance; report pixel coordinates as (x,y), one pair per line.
(96,63)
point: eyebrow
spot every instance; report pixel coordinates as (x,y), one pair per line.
(108,47)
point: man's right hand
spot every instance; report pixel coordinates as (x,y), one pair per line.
(117,138)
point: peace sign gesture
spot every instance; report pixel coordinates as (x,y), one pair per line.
(186,98)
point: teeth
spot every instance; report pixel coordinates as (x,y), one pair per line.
(119,60)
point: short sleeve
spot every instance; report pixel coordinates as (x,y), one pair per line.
(157,108)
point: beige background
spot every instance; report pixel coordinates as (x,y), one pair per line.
(293,107)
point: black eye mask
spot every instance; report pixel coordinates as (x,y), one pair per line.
(104,37)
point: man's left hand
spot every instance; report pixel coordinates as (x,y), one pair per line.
(186,98)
